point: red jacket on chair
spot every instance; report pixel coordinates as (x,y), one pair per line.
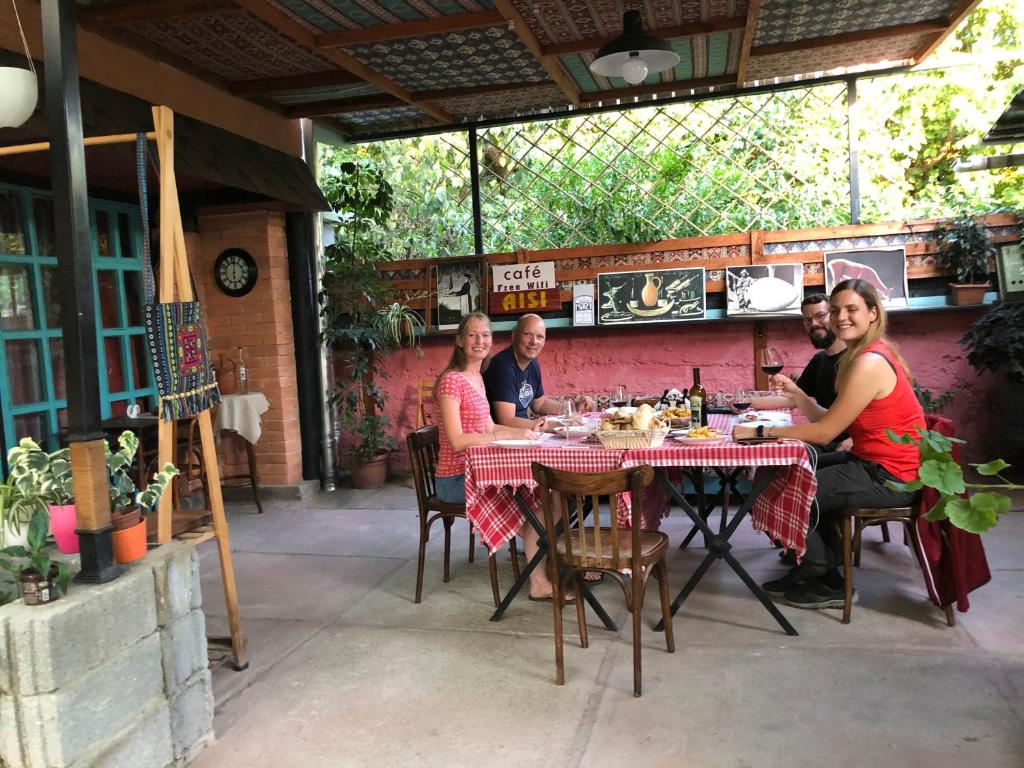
(953,560)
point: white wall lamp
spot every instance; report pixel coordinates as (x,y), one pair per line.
(634,54)
(19,88)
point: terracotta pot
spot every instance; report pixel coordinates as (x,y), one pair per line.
(967,294)
(130,543)
(39,590)
(370,474)
(62,526)
(125,519)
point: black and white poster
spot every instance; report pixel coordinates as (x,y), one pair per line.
(764,289)
(650,296)
(459,288)
(885,269)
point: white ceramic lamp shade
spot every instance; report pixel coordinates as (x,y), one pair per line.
(19,93)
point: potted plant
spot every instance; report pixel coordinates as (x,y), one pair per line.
(966,249)
(41,579)
(362,320)
(23,492)
(128,505)
(50,475)
(996,343)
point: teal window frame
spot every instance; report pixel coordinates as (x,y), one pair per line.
(123,331)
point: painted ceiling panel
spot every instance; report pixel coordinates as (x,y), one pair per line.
(524,101)
(889,50)
(783,21)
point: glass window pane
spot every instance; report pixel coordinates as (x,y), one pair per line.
(104,237)
(51,295)
(57,366)
(133,297)
(124,234)
(110,317)
(32,425)
(42,212)
(140,361)
(16,298)
(115,369)
(119,409)
(12,235)
(25,366)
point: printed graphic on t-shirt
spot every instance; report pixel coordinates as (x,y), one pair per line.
(525,394)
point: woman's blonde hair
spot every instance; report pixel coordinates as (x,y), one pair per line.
(876,330)
(458,360)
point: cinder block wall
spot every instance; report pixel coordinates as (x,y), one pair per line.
(261,323)
(109,675)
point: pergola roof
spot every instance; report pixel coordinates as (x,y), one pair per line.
(368,68)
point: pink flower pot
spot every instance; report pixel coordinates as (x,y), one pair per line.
(62,526)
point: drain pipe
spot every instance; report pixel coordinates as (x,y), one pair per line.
(329,428)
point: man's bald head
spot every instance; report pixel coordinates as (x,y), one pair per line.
(528,338)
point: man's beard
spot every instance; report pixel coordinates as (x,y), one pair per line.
(823,342)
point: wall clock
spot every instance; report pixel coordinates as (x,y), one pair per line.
(235,272)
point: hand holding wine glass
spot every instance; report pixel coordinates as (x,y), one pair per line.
(771,363)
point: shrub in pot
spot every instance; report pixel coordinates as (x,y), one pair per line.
(41,579)
(966,249)
(128,505)
(28,488)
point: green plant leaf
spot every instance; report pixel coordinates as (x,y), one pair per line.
(905,439)
(945,476)
(63,577)
(896,485)
(977,514)
(993,467)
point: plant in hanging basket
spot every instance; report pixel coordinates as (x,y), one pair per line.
(40,577)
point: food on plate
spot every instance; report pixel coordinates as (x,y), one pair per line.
(676,412)
(622,419)
(703,433)
(643,417)
(751,416)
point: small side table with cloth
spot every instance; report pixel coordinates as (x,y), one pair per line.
(241,414)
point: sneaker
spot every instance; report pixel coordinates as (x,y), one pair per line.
(788,557)
(815,595)
(778,587)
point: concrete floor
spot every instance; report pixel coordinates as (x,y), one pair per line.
(346,671)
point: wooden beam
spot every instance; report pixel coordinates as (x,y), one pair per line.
(917,28)
(266,85)
(962,10)
(550,63)
(649,89)
(435,26)
(98,17)
(339,106)
(753,10)
(475,90)
(286,25)
(692,29)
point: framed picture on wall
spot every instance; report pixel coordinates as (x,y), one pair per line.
(650,296)
(884,268)
(458,288)
(764,289)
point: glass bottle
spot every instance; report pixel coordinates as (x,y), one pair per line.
(243,383)
(698,402)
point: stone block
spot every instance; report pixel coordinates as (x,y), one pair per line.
(192,717)
(146,743)
(11,753)
(5,662)
(57,727)
(184,649)
(52,646)
(172,566)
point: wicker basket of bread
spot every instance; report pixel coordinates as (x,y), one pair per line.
(632,428)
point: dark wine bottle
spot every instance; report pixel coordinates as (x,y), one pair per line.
(698,402)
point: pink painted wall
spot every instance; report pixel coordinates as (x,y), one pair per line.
(649,359)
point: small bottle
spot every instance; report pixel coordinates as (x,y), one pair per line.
(243,384)
(698,402)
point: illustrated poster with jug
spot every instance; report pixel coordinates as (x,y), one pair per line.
(651,296)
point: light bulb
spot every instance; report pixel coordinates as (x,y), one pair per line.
(634,71)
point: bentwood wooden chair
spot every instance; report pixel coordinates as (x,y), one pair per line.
(424,397)
(587,546)
(423,450)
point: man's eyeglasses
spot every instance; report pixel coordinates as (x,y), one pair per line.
(819,317)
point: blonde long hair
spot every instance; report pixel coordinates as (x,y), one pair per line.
(458,361)
(875,332)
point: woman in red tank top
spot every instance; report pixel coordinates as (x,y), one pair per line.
(874,394)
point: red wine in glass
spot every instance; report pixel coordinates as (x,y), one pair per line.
(771,370)
(771,361)
(741,405)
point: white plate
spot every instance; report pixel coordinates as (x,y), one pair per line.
(521,443)
(766,419)
(700,440)
(573,432)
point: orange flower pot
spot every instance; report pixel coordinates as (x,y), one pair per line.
(130,543)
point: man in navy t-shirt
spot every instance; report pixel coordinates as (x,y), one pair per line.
(513,379)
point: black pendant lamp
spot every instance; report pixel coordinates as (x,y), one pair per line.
(634,54)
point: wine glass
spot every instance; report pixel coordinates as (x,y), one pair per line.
(619,397)
(771,363)
(567,418)
(741,401)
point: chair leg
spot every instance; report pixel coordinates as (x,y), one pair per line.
(885,533)
(472,543)
(581,609)
(847,568)
(513,551)
(559,651)
(950,618)
(637,600)
(420,561)
(447,547)
(661,572)
(857,536)
(492,566)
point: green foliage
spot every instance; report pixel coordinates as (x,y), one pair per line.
(33,555)
(124,494)
(36,479)
(930,402)
(996,341)
(966,248)
(976,513)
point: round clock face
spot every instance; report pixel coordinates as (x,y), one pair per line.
(235,272)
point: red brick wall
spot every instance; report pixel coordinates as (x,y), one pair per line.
(261,323)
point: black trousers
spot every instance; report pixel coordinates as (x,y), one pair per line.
(844,481)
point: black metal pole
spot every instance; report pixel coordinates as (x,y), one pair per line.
(851,127)
(75,283)
(474,180)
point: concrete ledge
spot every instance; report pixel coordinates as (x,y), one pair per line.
(301,491)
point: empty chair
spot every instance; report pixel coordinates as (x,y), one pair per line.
(583,546)
(423,448)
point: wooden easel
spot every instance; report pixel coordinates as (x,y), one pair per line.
(176,285)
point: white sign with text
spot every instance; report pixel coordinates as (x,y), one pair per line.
(523,277)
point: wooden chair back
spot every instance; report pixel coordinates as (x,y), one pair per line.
(424,399)
(424,445)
